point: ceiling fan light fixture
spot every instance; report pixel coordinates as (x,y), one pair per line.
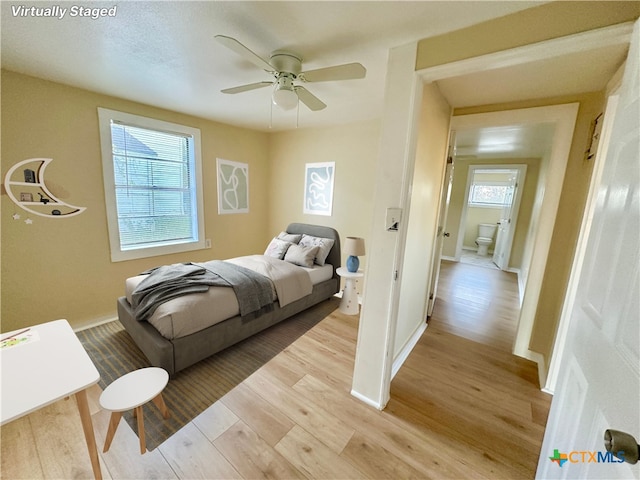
(284,95)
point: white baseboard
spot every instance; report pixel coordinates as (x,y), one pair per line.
(94,323)
(542,368)
(451,259)
(367,400)
(521,287)
(406,350)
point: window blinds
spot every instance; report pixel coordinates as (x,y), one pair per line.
(154,186)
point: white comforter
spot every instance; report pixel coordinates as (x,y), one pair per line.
(290,281)
(191,313)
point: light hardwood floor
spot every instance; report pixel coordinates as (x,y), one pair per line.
(459,409)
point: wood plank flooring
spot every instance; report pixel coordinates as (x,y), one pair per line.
(458,409)
(481,304)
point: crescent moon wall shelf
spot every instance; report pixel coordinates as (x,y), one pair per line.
(24,183)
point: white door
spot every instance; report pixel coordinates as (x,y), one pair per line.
(598,383)
(442,222)
(504,233)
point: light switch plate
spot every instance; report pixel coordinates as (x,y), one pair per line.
(392,221)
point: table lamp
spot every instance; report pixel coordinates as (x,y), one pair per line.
(353,247)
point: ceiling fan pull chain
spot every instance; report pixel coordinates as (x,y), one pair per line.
(270,115)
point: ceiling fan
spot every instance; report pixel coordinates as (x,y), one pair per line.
(286,68)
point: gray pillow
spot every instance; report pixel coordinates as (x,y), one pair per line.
(303,256)
(277,248)
(290,237)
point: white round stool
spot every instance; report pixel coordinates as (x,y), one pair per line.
(131,392)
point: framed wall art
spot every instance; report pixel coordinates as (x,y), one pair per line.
(318,188)
(233,187)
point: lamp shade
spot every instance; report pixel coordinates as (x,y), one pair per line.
(285,99)
(354,246)
(284,94)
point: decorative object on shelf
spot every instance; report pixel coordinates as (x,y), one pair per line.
(318,188)
(354,248)
(34,181)
(29,176)
(233,187)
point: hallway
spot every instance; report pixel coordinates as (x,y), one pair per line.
(477,303)
(462,385)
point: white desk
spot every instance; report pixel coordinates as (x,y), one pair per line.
(349,303)
(52,365)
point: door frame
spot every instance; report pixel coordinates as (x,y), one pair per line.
(579,255)
(544,213)
(515,204)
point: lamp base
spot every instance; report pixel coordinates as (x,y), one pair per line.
(353,263)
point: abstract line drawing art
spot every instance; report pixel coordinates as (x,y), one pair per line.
(233,187)
(318,188)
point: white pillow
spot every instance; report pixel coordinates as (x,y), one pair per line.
(324,246)
(302,256)
(290,237)
(277,248)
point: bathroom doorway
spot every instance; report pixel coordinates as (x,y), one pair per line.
(490,214)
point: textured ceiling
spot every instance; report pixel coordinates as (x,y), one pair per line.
(165,54)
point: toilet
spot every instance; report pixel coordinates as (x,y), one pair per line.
(486,232)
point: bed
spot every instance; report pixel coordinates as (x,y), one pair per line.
(184,330)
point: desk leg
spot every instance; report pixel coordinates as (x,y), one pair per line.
(87,426)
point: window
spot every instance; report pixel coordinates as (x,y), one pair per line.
(152,178)
(489,194)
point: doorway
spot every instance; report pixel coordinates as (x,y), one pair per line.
(489,217)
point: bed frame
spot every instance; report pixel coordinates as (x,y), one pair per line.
(180,353)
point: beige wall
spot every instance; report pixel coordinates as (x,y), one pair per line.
(354,149)
(61,267)
(458,188)
(426,188)
(545,22)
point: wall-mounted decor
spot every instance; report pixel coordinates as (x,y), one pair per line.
(318,188)
(24,183)
(233,187)
(594,140)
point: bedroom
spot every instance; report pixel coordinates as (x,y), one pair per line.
(41,113)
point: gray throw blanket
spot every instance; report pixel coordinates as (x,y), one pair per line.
(253,291)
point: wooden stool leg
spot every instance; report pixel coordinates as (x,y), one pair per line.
(159,401)
(113,425)
(140,415)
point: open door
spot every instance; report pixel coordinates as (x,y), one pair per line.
(442,222)
(508,218)
(599,371)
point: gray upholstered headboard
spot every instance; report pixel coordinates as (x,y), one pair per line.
(334,257)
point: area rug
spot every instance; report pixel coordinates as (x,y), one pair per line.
(194,389)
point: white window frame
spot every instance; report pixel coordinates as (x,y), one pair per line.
(106,117)
(485,184)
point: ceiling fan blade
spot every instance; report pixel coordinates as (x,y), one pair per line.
(246,88)
(309,99)
(240,49)
(348,71)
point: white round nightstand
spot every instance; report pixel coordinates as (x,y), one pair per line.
(349,303)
